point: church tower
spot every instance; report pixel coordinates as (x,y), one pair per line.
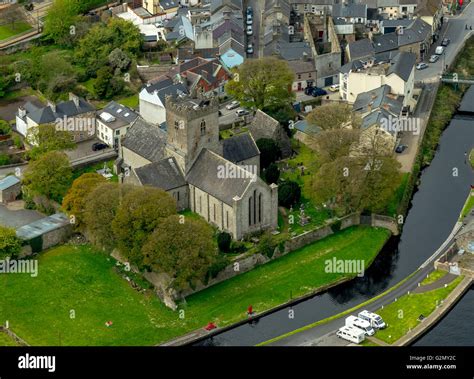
(192,124)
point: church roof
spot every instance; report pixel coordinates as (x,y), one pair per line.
(239,148)
(205,174)
(164,174)
(265,126)
(146,140)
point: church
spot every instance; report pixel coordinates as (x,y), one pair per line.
(217,179)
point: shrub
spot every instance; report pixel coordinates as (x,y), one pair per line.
(224,240)
(269,151)
(4,159)
(289,193)
(10,244)
(4,128)
(272,174)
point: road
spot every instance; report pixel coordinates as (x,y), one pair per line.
(256,39)
(325,334)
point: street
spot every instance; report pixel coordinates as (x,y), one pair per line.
(256,39)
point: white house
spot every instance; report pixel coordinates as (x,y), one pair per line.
(113,123)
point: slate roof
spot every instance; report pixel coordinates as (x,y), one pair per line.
(377,99)
(8,181)
(42,226)
(122,114)
(146,140)
(188,53)
(402,65)
(204,174)
(216,4)
(361,49)
(164,174)
(165,87)
(300,66)
(239,148)
(418,31)
(376,118)
(349,10)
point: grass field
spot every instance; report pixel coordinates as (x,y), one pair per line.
(433,277)
(5,340)
(402,315)
(468,205)
(7,30)
(81,280)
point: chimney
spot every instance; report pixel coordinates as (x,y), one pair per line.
(52,106)
(74,98)
(21,112)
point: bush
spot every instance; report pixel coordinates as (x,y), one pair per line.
(336,226)
(272,174)
(289,193)
(4,128)
(4,159)
(219,265)
(17,142)
(269,151)
(224,240)
(266,245)
(10,244)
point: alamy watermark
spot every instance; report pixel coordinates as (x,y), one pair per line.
(401,124)
(76,124)
(344,266)
(233,171)
(21,266)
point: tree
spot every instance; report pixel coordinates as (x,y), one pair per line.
(184,250)
(224,240)
(289,193)
(101,84)
(50,175)
(269,151)
(334,143)
(272,174)
(10,244)
(5,128)
(74,202)
(333,116)
(119,60)
(137,216)
(6,79)
(61,21)
(47,137)
(100,208)
(11,15)
(262,83)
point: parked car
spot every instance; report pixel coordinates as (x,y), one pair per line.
(421,66)
(445,42)
(434,58)
(357,322)
(249,48)
(249,30)
(439,50)
(232,105)
(241,112)
(374,319)
(99,146)
(334,88)
(249,11)
(351,334)
(249,19)
(308,90)
(400,148)
(318,92)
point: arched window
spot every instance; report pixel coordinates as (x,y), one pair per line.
(203,127)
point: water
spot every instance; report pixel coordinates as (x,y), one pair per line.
(435,209)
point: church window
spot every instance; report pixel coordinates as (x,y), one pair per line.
(260,208)
(250,211)
(254,206)
(203,127)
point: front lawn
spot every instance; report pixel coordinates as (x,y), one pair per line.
(402,315)
(5,340)
(82,280)
(7,30)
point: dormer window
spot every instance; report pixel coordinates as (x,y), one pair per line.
(203,127)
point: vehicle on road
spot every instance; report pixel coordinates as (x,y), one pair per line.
(241,112)
(434,58)
(308,90)
(361,324)
(234,104)
(445,42)
(249,30)
(318,92)
(334,88)
(249,11)
(250,48)
(249,19)
(421,66)
(401,148)
(99,146)
(374,319)
(351,334)
(439,50)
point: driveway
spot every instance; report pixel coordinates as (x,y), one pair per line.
(18,218)
(84,150)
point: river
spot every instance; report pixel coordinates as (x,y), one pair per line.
(435,208)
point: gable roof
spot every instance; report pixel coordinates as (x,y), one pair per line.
(164,174)
(146,140)
(402,65)
(264,126)
(122,115)
(361,49)
(204,174)
(239,148)
(8,181)
(379,98)
(349,10)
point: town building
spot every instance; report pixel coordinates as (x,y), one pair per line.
(113,123)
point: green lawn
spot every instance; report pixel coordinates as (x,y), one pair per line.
(468,205)
(79,279)
(402,315)
(5,340)
(394,203)
(7,30)
(433,277)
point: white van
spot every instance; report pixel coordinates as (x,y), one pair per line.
(374,319)
(439,50)
(361,324)
(351,334)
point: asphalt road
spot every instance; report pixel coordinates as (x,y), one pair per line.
(256,38)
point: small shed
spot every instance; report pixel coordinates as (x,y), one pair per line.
(10,188)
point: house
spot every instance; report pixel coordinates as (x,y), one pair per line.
(305,74)
(318,7)
(161,6)
(179,29)
(75,115)
(431,12)
(360,76)
(377,99)
(395,9)
(376,134)
(10,188)
(359,50)
(113,123)
(217,179)
(264,126)
(152,98)
(350,12)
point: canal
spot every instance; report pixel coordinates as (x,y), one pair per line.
(435,208)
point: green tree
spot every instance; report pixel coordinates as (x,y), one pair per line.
(10,244)
(269,151)
(333,116)
(50,175)
(46,137)
(183,249)
(101,84)
(61,21)
(137,216)
(74,203)
(289,193)
(272,174)
(5,128)
(224,240)
(262,83)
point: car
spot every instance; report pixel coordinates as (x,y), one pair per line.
(99,146)
(249,48)
(434,58)
(249,19)
(401,148)
(249,30)
(232,105)
(318,92)
(421,66)
(439,50)
(241,112)
(334,88)
(445,42)
(249,11)
(308,90)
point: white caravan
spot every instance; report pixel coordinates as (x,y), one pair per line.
(351,334)
(374,319)
(361,324)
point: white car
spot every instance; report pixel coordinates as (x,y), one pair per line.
(250,49)
(249,30)
(233,105)
(421,66)
(241,112)
(434,58)
(249,19)
(334,88)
